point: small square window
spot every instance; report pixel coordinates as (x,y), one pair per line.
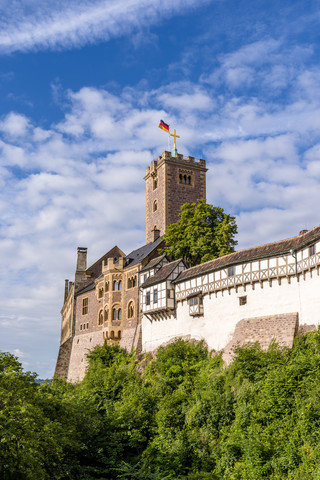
(243,300)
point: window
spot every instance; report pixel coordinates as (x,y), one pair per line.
(155,183)
(155,206)
(145,276)
(100,292)
(311,250)
(195,305)
(85,304)
(105,315)
(148,298)
(243,300)
(155,295)
(131,310)
(87,325)
(185,179)
(119,334)
(132,281)
(112,334)
(119,314)
(115,285)
(230,271)
(80,326)
(114,314)
(100,318)
(106,287)
(120,285)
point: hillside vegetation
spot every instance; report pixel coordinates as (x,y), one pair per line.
(179,416)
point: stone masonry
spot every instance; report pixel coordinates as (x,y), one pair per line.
(171,182)
(281,328)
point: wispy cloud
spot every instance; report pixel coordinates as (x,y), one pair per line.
(30,24)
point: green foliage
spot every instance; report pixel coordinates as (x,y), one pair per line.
(181,415)
(202,233)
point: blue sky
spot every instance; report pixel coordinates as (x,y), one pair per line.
(83,85)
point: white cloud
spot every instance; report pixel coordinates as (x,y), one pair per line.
(80,182)
(58,24)
(15,125)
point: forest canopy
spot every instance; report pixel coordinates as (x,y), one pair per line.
(179,415)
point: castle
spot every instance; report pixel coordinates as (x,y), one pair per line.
(143,300)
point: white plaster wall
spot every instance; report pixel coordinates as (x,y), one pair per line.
(223,312)
(81,345)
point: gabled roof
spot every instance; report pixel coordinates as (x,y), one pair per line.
(137,256)
(162,274)
(154,262)
(89,287)
(263,251)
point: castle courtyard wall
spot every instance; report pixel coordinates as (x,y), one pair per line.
(222,311)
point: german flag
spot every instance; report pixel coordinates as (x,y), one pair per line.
(163,126)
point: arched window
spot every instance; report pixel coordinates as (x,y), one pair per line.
(106,315)
(184,179)
(115,285)
(189,180)
(155,205)
(100,318)
(120,285)
(119,314)
(114,314)
(180,178)
(131,309)
(112,334)
(119,334)
(155,183)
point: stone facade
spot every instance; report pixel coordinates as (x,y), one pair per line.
(171,182)
(264,330)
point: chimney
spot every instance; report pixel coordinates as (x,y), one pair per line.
(155,234)
(82,259)
(66,289)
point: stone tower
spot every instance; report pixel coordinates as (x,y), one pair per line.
(171,182)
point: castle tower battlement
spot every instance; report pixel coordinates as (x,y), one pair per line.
(171,181)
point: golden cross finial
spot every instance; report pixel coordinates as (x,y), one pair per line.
(175,136)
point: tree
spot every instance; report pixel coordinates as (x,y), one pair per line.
(203,232)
